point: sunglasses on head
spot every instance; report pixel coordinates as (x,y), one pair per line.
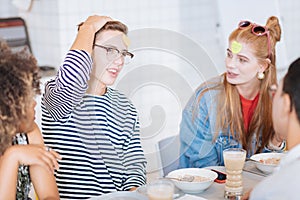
(258,31)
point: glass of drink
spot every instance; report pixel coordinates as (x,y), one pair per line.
(234,159)
(160,190)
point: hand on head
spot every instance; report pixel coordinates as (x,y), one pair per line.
(87,30)
(96,22)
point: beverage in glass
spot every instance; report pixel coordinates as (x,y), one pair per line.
(160,190)
(234,159)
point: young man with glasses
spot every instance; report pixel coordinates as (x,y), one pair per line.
(95,128)
(283,184)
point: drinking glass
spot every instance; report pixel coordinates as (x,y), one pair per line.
(160,190)
(234,159)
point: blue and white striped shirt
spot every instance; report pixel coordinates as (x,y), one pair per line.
(97,136)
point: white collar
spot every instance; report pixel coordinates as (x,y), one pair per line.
(291,156)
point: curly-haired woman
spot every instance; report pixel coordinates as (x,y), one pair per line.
(23,156)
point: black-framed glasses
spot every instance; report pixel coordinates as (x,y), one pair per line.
(272,90)
(113,53)
(257,30)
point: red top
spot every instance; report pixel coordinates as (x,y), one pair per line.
(248,107)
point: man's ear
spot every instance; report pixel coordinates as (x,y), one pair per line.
(287,103)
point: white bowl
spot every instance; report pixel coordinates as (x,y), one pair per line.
(195,186)
(265,167)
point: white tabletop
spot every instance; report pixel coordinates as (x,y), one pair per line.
(251,177)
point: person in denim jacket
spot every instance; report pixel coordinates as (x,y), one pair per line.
(234,109)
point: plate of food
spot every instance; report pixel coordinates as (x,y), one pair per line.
(192,180)
(267,162)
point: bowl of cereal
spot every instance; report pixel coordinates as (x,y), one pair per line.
(267,162)
(192,180)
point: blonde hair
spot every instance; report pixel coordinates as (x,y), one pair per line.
(229,113)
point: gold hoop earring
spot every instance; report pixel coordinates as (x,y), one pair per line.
(260,75)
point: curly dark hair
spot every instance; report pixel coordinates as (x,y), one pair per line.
(19,82)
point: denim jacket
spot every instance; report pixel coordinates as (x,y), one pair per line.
(197,130)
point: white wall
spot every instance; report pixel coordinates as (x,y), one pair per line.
(7,9)
(177,44)
(168,54)
(231,12)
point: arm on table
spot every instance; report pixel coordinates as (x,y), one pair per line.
(36,156)
(43,180)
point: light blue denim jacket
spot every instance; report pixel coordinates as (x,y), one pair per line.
(197,130)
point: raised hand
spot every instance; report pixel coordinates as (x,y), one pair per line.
(87,30)
(96,22)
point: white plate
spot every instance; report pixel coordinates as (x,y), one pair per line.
(266,168)
(193,187)
(122,195)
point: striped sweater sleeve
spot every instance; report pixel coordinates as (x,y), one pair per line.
(66,91)
(135,161)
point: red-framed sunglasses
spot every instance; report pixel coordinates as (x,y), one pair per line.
(257,30)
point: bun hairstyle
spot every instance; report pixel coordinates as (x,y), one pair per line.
(259,43)
(274,28)
(275,35)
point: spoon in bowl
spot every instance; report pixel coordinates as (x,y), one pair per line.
(252,160)
(185,178)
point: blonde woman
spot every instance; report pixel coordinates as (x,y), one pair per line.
(234,109)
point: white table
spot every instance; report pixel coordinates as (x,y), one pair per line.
(251,177)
